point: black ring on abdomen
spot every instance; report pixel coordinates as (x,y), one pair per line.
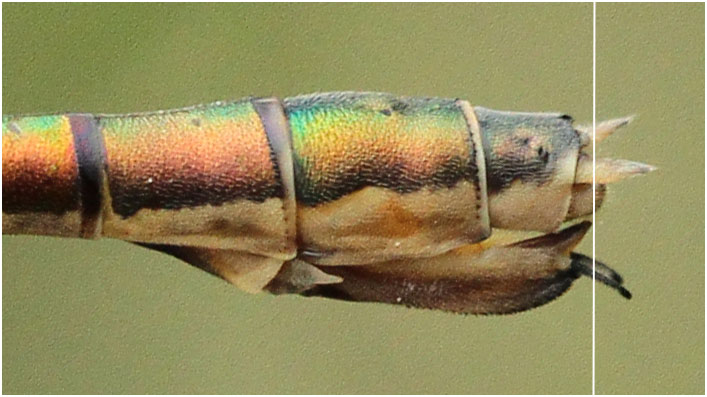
(91,159)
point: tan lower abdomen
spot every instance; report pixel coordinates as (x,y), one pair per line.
(258,228)
(376,224)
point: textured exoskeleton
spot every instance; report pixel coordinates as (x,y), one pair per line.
(424,202)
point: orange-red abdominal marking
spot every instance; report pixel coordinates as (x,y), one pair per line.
(425,202)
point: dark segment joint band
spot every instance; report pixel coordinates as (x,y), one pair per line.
(91,160)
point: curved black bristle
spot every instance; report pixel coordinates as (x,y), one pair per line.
(582,264)
(624,292)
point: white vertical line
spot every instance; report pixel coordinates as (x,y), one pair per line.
(594,203)
(1,195)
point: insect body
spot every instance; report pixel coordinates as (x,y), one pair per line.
(424,202)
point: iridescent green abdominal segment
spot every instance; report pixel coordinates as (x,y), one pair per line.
(356,196)
(345,142)
(382,177)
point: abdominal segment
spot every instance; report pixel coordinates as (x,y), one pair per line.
(380,177)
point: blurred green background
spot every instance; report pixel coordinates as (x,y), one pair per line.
(108,317)
(651,62)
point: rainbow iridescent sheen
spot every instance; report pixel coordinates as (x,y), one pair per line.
(344,141)
(39,172)
(203,155)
